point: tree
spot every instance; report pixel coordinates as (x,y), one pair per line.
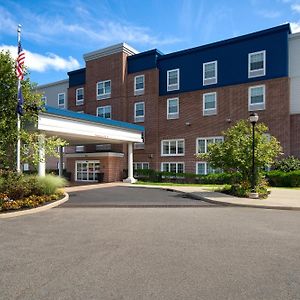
(234,155)
(8,117)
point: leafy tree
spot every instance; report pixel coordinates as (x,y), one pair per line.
(234,155)
(8,117)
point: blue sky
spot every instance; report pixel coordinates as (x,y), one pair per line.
(56,33)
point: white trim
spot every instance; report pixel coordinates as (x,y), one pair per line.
(95,154)
(171,140)
(64,105)
(210,80)
(206,138)
(260,72)
(79,101)
(257,106)
(174,86)
(105,95)
(173,162)
(139,91)
(104,107)
(171,116)
(51,84)
(138,119)
(209,111)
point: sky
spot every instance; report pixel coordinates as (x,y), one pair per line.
(56,33)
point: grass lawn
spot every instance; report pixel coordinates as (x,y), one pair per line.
(209,186)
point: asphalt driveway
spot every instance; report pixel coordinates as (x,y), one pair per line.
(121,196)
(205,252)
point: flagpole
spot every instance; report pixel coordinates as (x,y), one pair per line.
(18,116)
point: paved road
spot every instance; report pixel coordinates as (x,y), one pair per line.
(119,196)
(151,253)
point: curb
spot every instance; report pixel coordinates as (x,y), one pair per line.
(34,210)
(223,203)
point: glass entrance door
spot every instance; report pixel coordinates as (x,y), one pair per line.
(87,170)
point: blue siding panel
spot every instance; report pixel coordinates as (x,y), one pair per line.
(232,60)
(76,77)
(143,61)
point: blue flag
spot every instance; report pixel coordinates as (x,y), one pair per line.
(20,101)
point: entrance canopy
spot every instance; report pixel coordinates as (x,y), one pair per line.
(79,128)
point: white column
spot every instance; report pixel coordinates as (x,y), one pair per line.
(42,161)
(61,161)
(130,178)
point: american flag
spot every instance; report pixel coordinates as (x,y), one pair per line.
(20,62)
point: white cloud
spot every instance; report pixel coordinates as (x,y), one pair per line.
(41,63)
(295,27)
(296,7)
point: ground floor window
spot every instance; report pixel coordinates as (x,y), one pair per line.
(172,167)
(87,170)
(204,168)
(141,165)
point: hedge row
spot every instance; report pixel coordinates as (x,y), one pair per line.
(284,179)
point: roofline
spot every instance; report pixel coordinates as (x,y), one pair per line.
(294,35)
(145,53)
(52,84)
(227,41)
(90,118)
(76,71)
(121,47)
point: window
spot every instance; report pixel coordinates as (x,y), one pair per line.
(103,147)
(104,112)
(138,146)
(172,147)
(257,64)
(202,143)
(61,100)
(174,167)
(256,98)
(103,89)
(173,80)
(204,168)
(139,85)
(25,167)
(141,165)
(139,112)
(87,170)
(173,108)
(79,148)
(210,73)
(44,100)
(79,96)
(209,104)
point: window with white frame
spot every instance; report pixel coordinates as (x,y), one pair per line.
(209,104)
(61,100)
(210,73)
(173,80)
(172,147)
(79,148)
(139,112)
(204,168)
(138,146)
(202,143)
(25,167)
(256,98)
(44,100)
(173,108)
(139,85)
(104,111)
(103,89)
(257,64)
(57,165)
(79,96)
(174,167)
(141,165)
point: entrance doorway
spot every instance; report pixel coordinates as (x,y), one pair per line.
(87,170)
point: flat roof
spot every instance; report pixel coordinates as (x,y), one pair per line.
(52,83)
(90,118)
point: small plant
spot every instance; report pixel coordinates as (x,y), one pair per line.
(50,184)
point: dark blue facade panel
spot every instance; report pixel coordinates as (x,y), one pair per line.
(76,77)
(142,61)
(232,60)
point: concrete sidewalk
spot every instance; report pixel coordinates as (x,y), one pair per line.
(278,199)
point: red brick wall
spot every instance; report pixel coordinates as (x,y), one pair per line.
(295,135)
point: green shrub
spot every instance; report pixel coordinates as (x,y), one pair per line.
(284,179)
(287,164)
(50,184)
